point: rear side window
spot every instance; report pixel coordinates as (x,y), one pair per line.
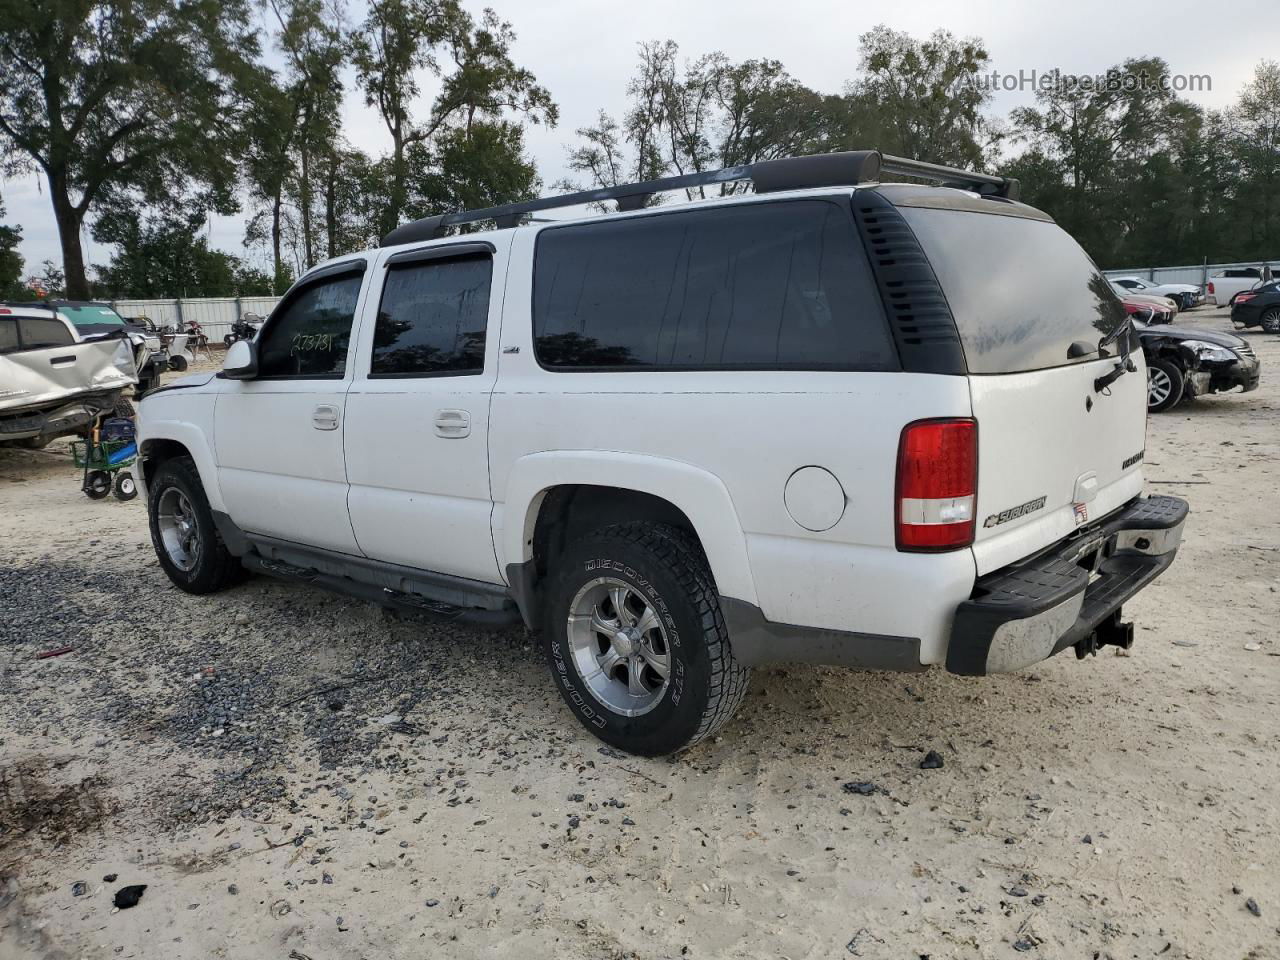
(33,333)
(432,318)
(1021,291)
(38,333)
(776,286)
(309,339)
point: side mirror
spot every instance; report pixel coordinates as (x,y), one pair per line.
(241,362)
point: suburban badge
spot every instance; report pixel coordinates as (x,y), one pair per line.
(1013,513)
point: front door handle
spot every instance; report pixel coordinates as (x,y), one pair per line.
(325,417)
(453,424)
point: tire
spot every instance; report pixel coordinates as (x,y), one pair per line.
(190,549)
(1165,385)
(177,364)
(661,574)
(228,340)
(126,488)
(97,484)
(123,409)
(1270,321)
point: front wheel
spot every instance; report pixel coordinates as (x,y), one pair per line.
(1165,384)
(183,533)
(636,641)
(1271,320)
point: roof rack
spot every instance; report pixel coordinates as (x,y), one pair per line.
(767,176)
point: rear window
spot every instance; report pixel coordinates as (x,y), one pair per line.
(432,319)
(91,314)
(1021,291)
(781,286)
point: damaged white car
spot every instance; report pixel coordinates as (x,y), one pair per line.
(53,384)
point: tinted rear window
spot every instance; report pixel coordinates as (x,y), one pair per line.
(1022,291)
(91,314)
(38,333)
(432,318)
(782,285)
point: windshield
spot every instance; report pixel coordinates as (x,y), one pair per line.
(92,314)
(1021,290)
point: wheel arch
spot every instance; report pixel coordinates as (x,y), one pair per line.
(168,439)
(554,496)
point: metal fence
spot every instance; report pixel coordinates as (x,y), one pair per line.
(215,315)
(1198,273)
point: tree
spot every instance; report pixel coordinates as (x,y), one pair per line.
(11,262)
(125,96)
(922,99)
(711,113)
(1253,129)
(478,78)
(166,256)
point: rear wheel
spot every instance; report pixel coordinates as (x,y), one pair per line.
(177,364)
(1165,384)
(636,640)
(1271,320)
(185,538)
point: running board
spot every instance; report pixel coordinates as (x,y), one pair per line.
(383,596)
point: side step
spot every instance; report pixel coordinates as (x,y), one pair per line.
(392,599)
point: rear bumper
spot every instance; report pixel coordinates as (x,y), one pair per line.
(1022,614)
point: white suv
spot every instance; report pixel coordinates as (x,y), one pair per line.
(820,422)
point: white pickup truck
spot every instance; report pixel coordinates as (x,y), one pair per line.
(1223,287)
(818,422)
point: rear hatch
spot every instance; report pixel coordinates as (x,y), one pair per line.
(1039,326)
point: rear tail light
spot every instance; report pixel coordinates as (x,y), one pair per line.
(937,486)
(1210,288)
(1244,297)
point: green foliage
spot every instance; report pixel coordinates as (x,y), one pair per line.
(167,257)
(127,97)
(11,262)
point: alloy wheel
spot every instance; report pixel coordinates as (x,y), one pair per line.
(619,646)
(178,529)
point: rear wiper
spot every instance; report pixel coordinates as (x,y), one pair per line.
(1125,364)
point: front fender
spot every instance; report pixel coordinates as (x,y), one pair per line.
(698,494)
(186,419)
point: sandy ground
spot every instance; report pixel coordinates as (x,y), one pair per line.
(295,775)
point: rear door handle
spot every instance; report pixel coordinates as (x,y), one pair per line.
(453,424)
(325,417)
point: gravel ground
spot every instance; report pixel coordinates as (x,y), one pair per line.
(297,775)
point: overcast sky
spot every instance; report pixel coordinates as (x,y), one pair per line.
(584,52)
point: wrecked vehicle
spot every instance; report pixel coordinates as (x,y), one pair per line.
(93,321)
(54,385)
(1186,362)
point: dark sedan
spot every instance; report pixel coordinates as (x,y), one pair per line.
(1259,307)
(1184,362)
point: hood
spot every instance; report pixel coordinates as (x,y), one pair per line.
(1193,333)
(1181,287)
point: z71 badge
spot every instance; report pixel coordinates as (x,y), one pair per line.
(1013,513)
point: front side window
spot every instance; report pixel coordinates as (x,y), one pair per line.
(432,318)
(309,340)
(781,285)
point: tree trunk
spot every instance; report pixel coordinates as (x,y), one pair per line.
(331,206)
(277,265)
(305,191)
(69,220)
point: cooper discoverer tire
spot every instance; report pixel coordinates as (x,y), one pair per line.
(625,604)
(183,533)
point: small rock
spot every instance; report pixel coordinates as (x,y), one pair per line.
(1018,891)
(932,760)
(574,822)
(109,878)
(1023,945)
(860,787)
(628,822)
(1252,906)
(79,888)
(433,902)
(1087,838)
(1251,647)
(232,889)
(127,897)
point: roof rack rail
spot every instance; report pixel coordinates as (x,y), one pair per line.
(767,176)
